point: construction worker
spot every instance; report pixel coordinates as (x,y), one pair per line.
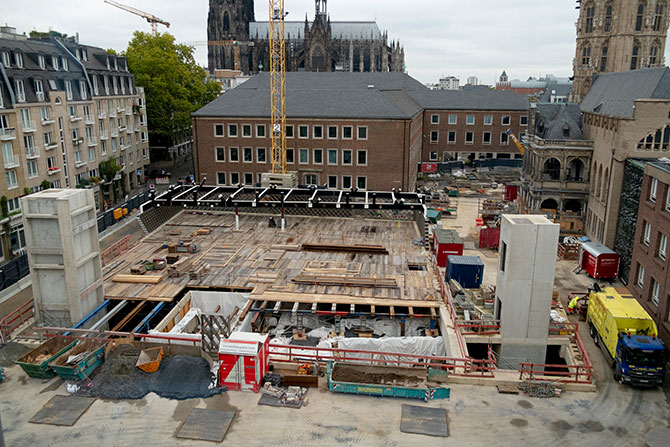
(573,304)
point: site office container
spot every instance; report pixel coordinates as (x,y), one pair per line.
(511,192)
(598,260)
(445,243)
(489,237)
(467,270)
(244,361)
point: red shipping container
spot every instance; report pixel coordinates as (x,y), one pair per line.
(598,260)
(445,243)
(511,192)
(489,237)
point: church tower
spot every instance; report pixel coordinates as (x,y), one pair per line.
(227,20)
(617,35)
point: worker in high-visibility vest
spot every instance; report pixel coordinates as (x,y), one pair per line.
(573,304)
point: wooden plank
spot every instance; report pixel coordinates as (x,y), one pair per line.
(295,308)
(277,306)
(372,310)
(135,279)
(356,248)
(292,297)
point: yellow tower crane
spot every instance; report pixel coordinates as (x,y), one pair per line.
(149,17)
(277,86)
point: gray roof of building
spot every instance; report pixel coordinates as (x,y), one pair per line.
(662,164)
(553,119)
(614,94)
(339,30)
(470,99)
(323,95)
(555,90)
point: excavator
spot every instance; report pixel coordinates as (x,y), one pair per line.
(516,141)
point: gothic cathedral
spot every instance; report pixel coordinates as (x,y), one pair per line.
(242,43)
(617,35)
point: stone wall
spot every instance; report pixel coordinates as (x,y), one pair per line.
(628,209)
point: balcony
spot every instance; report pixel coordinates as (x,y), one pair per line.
(129,111)
(137,127)
(102,115)
(122,128)
(50,145)
(74,118)
(7,134)
(120,110)
(47,121)
(12,162)
(115,133)
(53,170)
(77,141)
(91,142)
(104,135)
(32,152)
(129,130)
(88,119)
(112,113)
(28,126)
(79,163)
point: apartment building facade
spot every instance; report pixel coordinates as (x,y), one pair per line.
(65,108)
(363,130)
(649,278)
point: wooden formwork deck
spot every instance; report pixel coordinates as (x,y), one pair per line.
(275,268)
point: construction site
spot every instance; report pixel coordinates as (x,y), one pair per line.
(239,304)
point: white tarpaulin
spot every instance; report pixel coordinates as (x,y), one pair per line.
(430,346)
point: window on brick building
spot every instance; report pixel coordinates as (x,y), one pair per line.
(246,130)
(347,157)
(218,130)
(317,131)
(234,178)
(361,182)
(260,155)
(504,138)
(653,189)
(523,121)
(486,138)
(303,132)
(488,120)
(220,154)
(469,137)
(451,137)
(470,120)
(232,130)
(220,178)
(248,155)
(332,156)
(332,132)
(289,131)
(362,157)
(234,154)
(362,132)
(346,181)
(646,236)
(318,156)
(433,156)
(435,119)
(434,136)
(453,119)
(304,156)
(506,120)
(260,130)
(289,156)
(662,246)
(640,276)
(248,178)
(667,200)
(347,132)
(655,292)
(332,181)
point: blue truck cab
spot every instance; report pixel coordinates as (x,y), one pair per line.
(640,360)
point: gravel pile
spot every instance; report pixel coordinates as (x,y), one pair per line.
(178,377)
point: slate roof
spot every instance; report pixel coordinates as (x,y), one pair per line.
(339,30)
(354,95)
(553,119)
(614,94)
(558,89)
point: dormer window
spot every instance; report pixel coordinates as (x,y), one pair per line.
(84,54)
(116,65)
(42,61)
(18,58)
(6,60)
(108,68)
(54,62)
(63,62)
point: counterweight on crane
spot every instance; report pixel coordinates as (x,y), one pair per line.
(149,17)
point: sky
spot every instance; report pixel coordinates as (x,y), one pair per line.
(441,37)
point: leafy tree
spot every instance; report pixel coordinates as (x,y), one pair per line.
(108,169)
(174,85)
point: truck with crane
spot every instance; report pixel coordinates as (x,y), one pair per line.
(627,335)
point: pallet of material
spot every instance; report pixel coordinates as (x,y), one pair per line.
(197,273)
(137,279)
(356,248)
(345,281)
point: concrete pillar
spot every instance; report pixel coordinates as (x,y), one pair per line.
(524,287)
(63,253)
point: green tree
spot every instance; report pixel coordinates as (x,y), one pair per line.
(174,85)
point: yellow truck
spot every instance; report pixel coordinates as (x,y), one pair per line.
(627,335)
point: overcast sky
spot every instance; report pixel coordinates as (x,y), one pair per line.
(441,37)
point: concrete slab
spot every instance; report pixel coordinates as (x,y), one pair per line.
(206,425)
(62,410)
(424,421)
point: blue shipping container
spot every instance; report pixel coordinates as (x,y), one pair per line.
(467,270)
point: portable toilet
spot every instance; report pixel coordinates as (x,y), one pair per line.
(598,260)
(244,358)
(445,243)
(467,270)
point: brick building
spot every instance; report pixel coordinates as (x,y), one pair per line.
(649,278)
(366,130)
(65,107)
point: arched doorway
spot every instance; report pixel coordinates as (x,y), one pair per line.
(572,206)
(552,169)
(576,170)
(549,204)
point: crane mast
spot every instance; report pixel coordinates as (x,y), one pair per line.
(277,86)
(149,17)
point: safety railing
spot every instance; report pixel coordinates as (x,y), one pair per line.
(479,327)
(556,373)
(15,319)
(49,331)
(455,366)
(117,248)
(446,297)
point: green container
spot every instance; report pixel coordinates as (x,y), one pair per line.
(433,215)
(49,350)
(451,192)
(82,369)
